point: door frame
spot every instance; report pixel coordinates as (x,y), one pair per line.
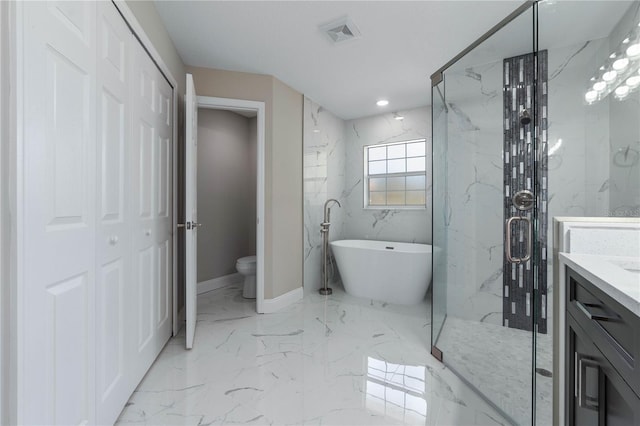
(210,102)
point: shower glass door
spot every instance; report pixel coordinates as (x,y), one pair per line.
(489,118)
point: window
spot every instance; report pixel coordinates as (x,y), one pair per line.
(395,174)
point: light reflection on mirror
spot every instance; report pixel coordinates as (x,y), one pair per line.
(396,390)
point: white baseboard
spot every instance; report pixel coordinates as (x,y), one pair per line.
(219,282)
(282,301)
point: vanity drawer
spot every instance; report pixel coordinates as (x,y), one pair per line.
(613,328)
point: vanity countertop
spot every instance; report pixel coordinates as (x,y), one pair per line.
(617,276)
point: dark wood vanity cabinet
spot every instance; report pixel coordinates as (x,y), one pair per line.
(602,357)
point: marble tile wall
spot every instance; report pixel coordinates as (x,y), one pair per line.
(474,173)
(323,176)
(623,188)
(384,224)
(579,170)
(333,168)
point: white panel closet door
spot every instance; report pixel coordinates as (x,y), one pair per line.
(164,219)
(152,216)
(95,296)
(115,312)
(191,210)
(57,365)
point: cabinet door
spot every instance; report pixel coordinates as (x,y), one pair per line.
(596,393)
(57,213)
(584,381)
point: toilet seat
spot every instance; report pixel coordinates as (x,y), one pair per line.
(246,259)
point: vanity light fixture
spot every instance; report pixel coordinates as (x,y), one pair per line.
(622,91)
(633,50)
(591,96)
(599,86)
(620,64)
(609,76)
(633,81)
(618,74)
(382,102)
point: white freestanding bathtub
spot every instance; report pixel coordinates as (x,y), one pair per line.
(386,271)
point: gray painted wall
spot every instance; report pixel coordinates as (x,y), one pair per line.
(283,168)
(226,191)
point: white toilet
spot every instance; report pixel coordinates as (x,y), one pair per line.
(247,267)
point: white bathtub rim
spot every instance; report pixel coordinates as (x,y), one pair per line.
(377,245)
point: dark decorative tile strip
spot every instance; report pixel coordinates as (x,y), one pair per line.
(525,168)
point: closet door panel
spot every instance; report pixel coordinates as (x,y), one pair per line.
(145,181)
(146,279)
(110,332)
(115,316)
(164,220)
(164,287)
(145,175)
(57,362)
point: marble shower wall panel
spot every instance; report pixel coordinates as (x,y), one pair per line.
(323,175)
(578,134)
(474,232)
(624,189)
(578,141)
(384,224)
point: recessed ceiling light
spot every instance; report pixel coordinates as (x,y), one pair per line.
(398,116)
(382,102)
(316,130)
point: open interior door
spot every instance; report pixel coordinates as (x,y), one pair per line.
(191,209)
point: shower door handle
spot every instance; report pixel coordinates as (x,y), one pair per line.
(527,255)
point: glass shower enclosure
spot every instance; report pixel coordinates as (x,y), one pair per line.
(527,126)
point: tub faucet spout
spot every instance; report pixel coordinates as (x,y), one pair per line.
(327,210)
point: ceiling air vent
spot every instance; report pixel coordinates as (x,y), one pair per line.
(341,30)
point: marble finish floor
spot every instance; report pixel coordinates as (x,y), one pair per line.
(334,360)
(497,361)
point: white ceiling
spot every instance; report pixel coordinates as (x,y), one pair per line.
(402,44)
